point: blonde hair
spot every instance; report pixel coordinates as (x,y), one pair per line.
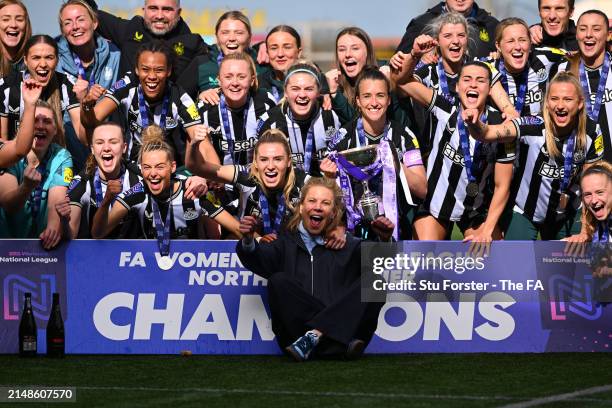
(5,63)
(153,139)
(59,137)
(235,15)
(507,22)
(338,208)
(551,145)
(605,169)
(275,136)
(90,11)
(243,56)
(435,27)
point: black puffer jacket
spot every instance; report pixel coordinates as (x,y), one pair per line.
(481,44)
(327,274)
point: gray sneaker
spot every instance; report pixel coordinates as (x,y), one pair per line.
(301,348)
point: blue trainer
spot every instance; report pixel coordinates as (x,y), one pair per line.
(301,348)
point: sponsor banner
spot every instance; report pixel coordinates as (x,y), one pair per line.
(26,267)
(124,298)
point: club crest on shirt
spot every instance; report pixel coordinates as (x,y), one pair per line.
(578,156)
(190,214)
(330,132)
(170,122)
(484,35)
(138,37)
(542,75)
(179,48)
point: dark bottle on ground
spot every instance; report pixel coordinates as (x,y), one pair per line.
(55,330)
(27,329)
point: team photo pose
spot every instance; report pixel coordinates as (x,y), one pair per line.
(159,201)
(87,189)
(314,292)
(201,77)
(41,57)
(594,68)
(459,170)
(152,99)
(15,31)
(307,125)
(552,151)
(233,122)
(397,146)
(450,36)
(596,190)
(354,50)
(523,71)
(30,189)
(284,48)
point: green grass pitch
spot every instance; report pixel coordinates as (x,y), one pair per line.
(415,380)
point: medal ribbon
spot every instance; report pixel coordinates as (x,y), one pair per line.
(276,94)
(602,232)
(162,231)
(519,101)
(593,110)
(265,213)
(464,141)
(144,111)
(36,196)
(226,125)
(309,148)
(81,70)
(98,187)
(442,79)
(568,159)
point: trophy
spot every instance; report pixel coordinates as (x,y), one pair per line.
(368,203)
(363,157)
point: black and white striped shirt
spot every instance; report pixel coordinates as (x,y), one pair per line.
(447,179)
(542,64)
(605,113)
(82,194)
(243,134)
(182,112)
(11,106)
(403,140)
(185,213)
(325,125)
(249,190)
(537,177)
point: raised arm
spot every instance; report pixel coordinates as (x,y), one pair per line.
(93,109)
(402,70)
(502,100)
(506,132)
(197,154)
(16,149)
(105,220)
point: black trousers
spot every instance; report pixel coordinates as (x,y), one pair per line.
(295,311)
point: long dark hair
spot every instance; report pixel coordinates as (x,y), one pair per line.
(345,82)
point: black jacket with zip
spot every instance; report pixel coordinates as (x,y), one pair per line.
(480,46)
(327,274)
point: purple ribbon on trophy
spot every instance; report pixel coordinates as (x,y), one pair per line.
(384,163)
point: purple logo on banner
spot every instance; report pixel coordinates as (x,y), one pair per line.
(25,267)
